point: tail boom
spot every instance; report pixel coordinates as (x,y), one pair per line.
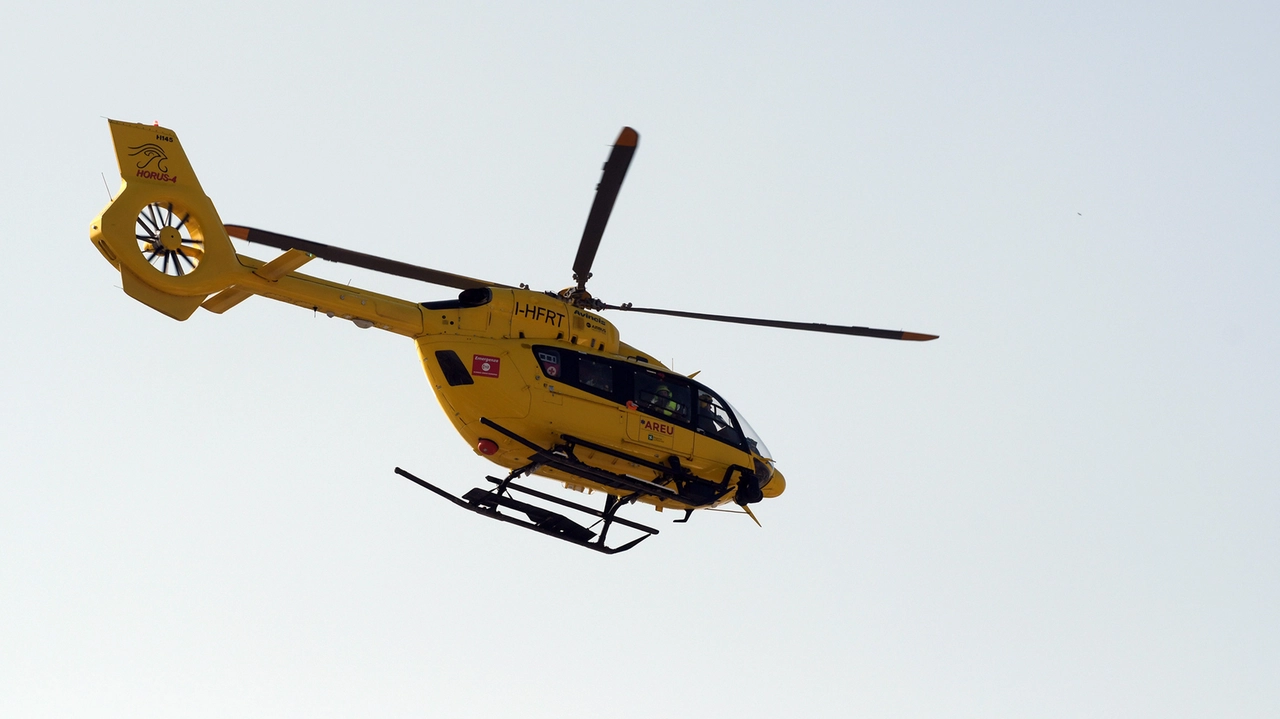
(174,254)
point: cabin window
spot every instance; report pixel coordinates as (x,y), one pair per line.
(650,391)
(586,372)
(455,373)
(659,396)
(594,374)
(669,397)
(714,420)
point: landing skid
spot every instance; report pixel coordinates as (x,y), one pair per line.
(674,483)
(543,521)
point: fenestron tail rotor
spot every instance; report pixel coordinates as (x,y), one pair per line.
(165,239)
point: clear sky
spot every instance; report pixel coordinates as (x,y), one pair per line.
(1065,507)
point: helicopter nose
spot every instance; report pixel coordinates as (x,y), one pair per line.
(775,486)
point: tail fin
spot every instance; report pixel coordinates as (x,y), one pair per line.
(161,231)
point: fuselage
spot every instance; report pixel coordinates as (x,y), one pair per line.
(545,369)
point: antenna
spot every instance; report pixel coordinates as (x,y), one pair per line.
(104,184)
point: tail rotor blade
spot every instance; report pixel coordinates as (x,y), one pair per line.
(615,170)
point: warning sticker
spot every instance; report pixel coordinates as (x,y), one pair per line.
(485,366)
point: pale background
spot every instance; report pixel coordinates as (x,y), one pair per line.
(1065,507)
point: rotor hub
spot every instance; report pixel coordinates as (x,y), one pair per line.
(170,238)
(579,297)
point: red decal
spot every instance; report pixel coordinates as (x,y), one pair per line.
(485,366)
(658,427)
(159,176)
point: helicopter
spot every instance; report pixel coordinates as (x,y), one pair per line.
(537,382)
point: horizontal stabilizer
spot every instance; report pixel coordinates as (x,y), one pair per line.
(226,299)
(272,271)
(283,265)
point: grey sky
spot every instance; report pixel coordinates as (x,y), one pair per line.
(1065,507)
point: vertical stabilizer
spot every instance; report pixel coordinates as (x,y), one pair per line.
(161,231)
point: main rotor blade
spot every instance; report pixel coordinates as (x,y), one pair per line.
(615,169)
(806,326)
(358,259)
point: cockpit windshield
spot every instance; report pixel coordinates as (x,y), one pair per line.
(753,438)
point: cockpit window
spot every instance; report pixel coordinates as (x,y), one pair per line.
(716,421)
(658,395)
(595,374)
(753,439)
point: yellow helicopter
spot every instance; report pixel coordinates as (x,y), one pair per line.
(537,382)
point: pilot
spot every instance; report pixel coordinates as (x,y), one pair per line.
(663,402)
(712,424)
(706,418)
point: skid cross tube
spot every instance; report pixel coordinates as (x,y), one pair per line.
(570,464)
(544,521)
